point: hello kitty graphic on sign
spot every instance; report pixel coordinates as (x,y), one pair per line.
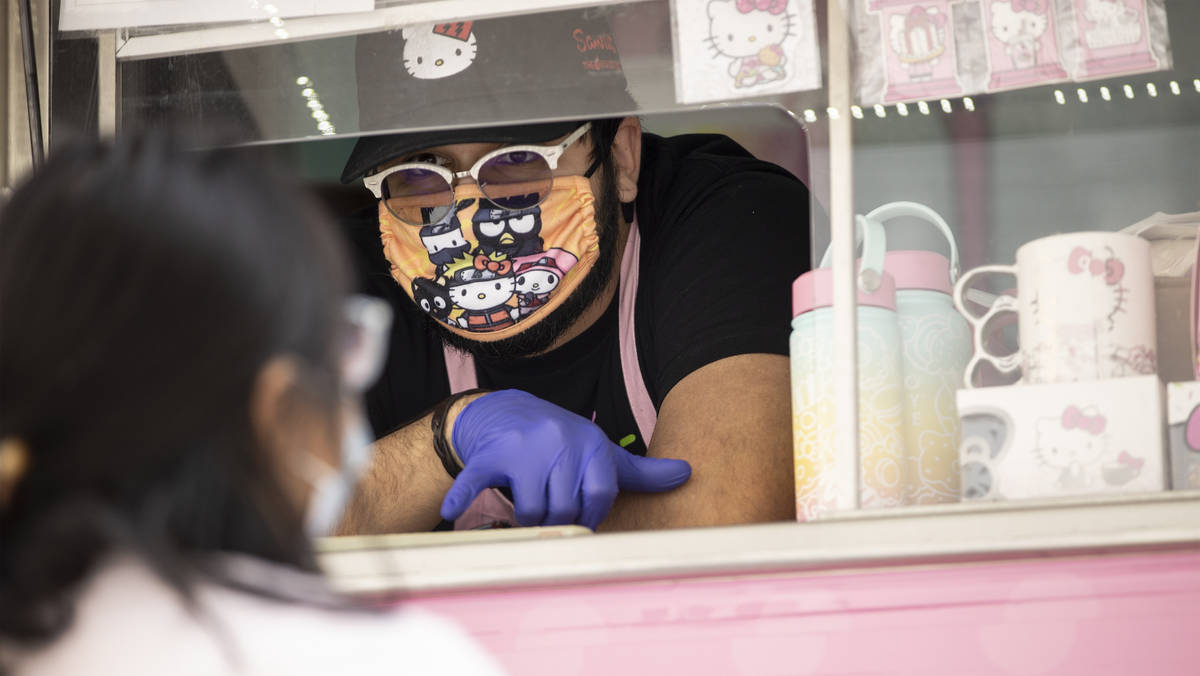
(751,33)
(740,48)
(919,49)
(1114,37)
(433,51)
(1022,43)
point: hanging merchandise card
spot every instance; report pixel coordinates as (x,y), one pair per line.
(1115,37)
(915,48)
(730,49)
(1022,44)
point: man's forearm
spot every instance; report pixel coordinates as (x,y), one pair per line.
(402,491)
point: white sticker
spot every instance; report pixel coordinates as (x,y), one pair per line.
(732,49)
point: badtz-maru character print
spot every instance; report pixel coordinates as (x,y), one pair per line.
(444,240)
(513,232)
(433,51)
(483,286)
(539,274)
(740,48)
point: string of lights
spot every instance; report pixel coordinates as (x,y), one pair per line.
(967,103)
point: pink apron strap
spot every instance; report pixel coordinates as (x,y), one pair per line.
(491,506)
(460,370)
(635,387)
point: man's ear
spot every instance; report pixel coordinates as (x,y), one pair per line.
(627,157)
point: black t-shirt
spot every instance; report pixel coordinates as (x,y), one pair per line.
(723,237)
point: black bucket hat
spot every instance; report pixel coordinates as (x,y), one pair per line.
(501,70)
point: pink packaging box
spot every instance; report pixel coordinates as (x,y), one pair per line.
(1183,433)
(1025,441)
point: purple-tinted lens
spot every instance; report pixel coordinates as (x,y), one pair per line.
(417,196)
(516,179)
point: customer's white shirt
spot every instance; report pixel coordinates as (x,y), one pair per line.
(129,622)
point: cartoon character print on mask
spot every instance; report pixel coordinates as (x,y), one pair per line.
(513,231)
(538,275)
(751,32)
(553,243)
(444,240)
(482,286)
(434,51)
(433,298)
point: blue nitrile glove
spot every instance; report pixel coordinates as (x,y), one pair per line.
(560,466)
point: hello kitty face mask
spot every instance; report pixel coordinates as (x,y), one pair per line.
(487,273)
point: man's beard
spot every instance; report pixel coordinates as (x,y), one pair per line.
(541,335)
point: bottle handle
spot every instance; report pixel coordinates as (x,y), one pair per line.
(918,210)
(871,236)
(1000,304)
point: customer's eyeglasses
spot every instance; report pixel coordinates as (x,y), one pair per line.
(364,341)
(512,177)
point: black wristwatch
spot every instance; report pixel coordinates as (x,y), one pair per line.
(437,423)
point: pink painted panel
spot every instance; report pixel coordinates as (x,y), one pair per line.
(1126,614)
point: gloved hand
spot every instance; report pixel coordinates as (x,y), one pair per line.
(560,467)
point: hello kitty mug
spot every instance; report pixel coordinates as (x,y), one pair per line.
(1084,306)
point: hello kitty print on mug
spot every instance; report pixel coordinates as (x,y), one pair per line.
(1085,309)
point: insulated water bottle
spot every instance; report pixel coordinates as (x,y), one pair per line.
(937,347)
(818,462)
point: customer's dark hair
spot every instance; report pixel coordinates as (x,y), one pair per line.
(141,290)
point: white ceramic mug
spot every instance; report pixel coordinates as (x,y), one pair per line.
(1084,305)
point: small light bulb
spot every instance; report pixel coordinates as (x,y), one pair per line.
(325,125)
(902,109)
(1151,89)
(276,22)
(856,111)
(315,104)
(1128,91)
(810,115)
(302,80)
(968,103)
(923,107)
(270,9)
(1060,97)
(1175,88)
(308,92)
(880,111)
(833,113)
(1105,94)
(1082,94)
(281,34)
(1196,84)
(946,106)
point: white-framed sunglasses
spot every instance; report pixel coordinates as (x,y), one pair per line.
(513,177)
